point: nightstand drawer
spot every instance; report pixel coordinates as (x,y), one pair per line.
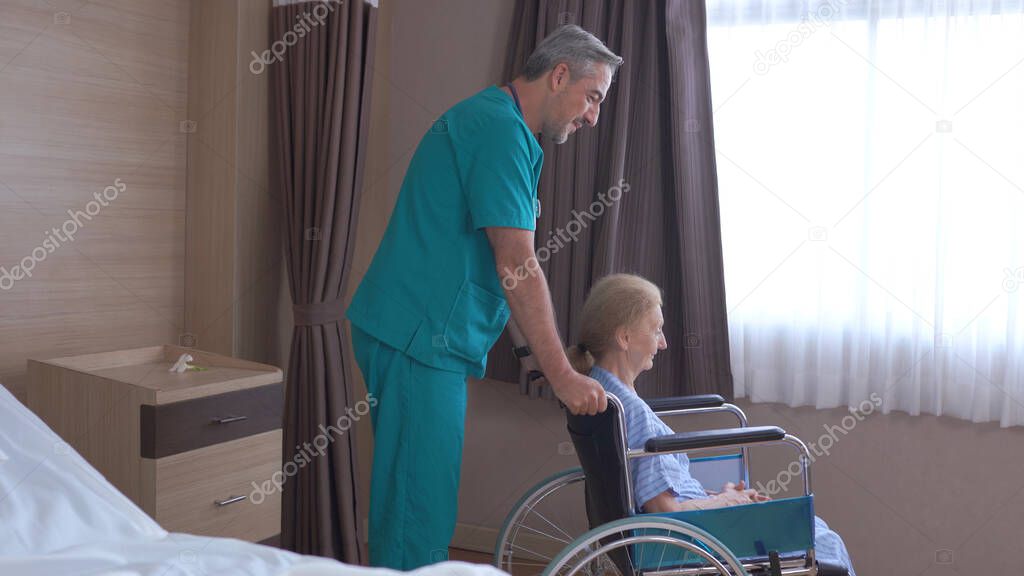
(168,429)
(210,491)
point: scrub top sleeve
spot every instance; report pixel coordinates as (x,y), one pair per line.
(498,177)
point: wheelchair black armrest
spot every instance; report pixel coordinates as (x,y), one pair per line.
(685,402)
(713,438)
(825,569)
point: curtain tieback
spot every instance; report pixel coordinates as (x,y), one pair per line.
(319,313)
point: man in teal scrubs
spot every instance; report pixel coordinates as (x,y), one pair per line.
(456,261)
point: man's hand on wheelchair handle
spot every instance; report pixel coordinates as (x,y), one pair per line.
(580,394)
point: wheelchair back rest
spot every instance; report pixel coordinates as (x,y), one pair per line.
(600,447)
(714,471)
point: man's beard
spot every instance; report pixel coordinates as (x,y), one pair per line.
(557,135)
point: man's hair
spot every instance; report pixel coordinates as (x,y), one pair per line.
(579,49)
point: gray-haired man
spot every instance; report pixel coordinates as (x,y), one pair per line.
(446,279)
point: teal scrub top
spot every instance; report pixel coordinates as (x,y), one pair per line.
(432,289)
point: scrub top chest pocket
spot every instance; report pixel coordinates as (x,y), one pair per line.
(475,322)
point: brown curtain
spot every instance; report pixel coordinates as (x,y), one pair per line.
(320,94)
(655,135)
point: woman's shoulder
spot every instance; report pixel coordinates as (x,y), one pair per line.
(608,380)
(611,383)
(640,421)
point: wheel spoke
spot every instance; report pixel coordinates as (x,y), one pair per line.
(640,560)
(661,559)
(528,551)
(552,524)
(542,533)
(639,541)
(525,568)
(525,541)
(629,557)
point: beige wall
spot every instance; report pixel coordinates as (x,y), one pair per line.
(900,489)
(92,92)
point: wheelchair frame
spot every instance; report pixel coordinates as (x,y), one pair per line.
(743,438)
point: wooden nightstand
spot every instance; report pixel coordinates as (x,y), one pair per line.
(187,448)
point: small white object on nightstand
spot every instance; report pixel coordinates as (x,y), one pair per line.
(182,364)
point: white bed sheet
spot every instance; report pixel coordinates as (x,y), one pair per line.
(59,516)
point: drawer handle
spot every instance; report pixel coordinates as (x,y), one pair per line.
(230,500)
(229,419)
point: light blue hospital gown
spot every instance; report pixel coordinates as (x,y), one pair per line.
(654,475)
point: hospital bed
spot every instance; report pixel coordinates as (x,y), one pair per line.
(585,520)
(59,516)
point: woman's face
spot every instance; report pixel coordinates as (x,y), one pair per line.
(646,339)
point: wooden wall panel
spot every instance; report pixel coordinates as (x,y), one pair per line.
(211,178)
(234,220)
(259,211)
(91,94)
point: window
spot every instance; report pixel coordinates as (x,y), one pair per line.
(871,178)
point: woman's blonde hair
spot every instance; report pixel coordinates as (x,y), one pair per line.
(615,301)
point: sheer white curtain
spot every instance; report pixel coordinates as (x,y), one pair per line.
(871,171)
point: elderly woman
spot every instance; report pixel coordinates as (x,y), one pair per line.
(620,334)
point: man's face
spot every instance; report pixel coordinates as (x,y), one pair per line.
(575,102)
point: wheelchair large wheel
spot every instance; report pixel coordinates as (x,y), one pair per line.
(645,545)
(545,520)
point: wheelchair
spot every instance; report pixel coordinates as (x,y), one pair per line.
(545,534)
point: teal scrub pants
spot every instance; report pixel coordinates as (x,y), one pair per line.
(418,428)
